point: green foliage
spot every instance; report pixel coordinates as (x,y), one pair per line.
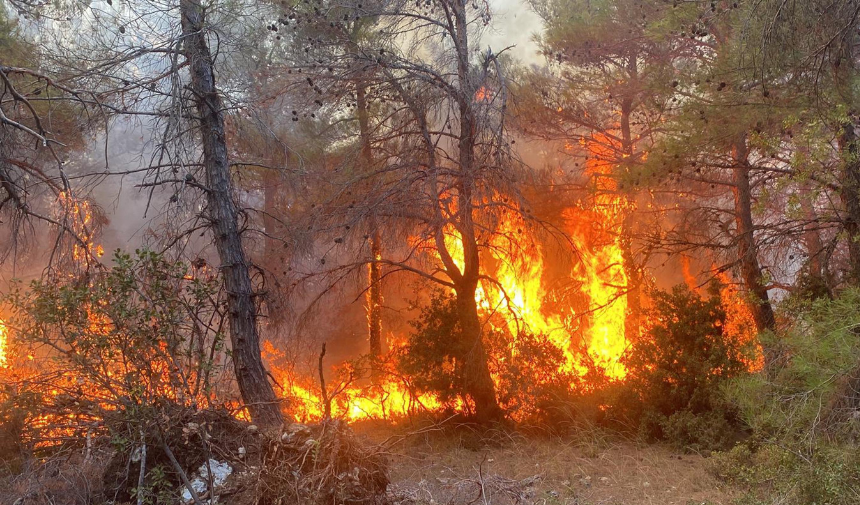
(527,368)
(803,448)
(433,355)
(676,371)
(117,344)
(771,474)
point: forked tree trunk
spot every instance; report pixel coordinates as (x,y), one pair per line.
(479,383)
(221,210)
(747,250)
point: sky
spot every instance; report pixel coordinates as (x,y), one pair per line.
(514,23)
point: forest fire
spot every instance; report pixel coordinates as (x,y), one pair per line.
(621,222)
(590,331)
(592,335)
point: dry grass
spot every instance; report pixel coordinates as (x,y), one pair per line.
(450,467)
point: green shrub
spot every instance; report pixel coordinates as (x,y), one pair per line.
(527,369)
(433,355)
(675,372)
(111,356)
(803,417)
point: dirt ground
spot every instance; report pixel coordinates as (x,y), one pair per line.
(445,468)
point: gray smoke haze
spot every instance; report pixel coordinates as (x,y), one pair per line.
(124,204)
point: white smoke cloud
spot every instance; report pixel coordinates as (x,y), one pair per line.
(514,24)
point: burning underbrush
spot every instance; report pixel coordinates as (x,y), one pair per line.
(123,375)
(126,373)
(115,390)
(694,341)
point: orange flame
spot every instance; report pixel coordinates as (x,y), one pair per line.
(80,214)
(516,263)
(740,323)
(483,94)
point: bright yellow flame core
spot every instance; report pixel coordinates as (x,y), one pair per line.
(516,262)
(4,335)
(384,402)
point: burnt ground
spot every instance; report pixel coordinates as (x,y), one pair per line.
(585,469)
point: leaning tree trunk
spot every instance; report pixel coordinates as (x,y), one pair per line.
(221,210)
(747,250)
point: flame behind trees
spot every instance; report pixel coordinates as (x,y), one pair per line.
(4,342)
(108,346)
(440,157)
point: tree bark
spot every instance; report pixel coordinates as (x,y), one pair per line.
(816,269)
(633,297)
(221,210)
(374,289)
(479,383)
(374,299)
(747,250)
(273,250)
(850,196)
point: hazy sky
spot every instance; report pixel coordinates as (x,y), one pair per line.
(514,23)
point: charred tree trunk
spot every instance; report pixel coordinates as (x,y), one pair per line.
(374,298)
(747,250)
(374,289)
(221,210)
(849,144)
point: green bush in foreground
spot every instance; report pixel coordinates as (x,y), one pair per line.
(804,416)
